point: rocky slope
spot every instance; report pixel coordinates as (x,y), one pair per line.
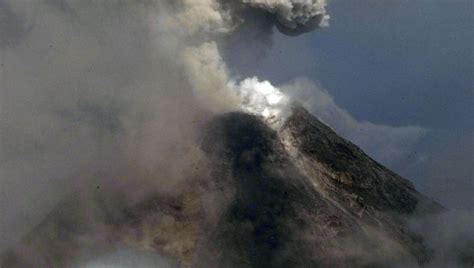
(300,196)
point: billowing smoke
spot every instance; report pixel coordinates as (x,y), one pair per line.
(204,23)
(263,99)
(97,97)
(209,75)
(294,17)
(91,100)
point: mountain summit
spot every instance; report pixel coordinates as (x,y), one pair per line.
(299,196)
(306,197)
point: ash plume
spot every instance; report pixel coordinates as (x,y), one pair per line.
(92,95)
(294,17)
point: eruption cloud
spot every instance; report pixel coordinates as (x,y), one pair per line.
(92,94)
(211,20)
(294,17)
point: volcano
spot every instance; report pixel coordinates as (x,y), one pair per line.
(298,196)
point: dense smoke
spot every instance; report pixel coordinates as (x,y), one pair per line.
(205,22)
(107,94)
(91,96)
(294,17)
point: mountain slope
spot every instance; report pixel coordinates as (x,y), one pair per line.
(306,197)
(297,197)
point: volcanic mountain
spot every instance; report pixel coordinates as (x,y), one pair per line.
(298,196)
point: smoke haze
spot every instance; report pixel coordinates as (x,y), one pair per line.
(93,90)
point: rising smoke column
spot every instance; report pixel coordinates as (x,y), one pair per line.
(294,17)
(207,22)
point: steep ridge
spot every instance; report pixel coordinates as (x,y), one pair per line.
(306,197)
(351,168)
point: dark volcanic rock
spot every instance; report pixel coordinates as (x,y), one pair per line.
(260,222)
(354,170)
(306,197)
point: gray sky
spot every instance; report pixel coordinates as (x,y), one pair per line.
(392,63)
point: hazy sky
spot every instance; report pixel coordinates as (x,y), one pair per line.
(394,63)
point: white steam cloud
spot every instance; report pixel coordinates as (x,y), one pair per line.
(263,99)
